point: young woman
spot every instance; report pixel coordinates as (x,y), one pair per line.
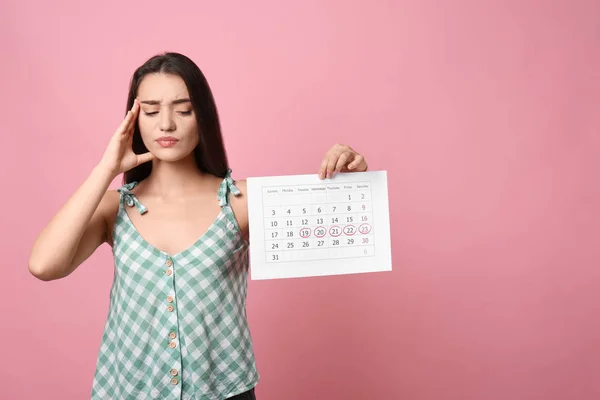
(176,326)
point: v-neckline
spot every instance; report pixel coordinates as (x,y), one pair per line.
(179,254)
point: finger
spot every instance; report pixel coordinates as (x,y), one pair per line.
(357,162)
(135,110)
(342,161)
(323,168)
(143,158)
(128,139)
(124,124)
(331,162)
(131,128)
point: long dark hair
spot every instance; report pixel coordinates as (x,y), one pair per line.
(210,154)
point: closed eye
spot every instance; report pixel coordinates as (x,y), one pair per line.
(179,112)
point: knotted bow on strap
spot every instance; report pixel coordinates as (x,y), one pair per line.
(129,198)
(227,185)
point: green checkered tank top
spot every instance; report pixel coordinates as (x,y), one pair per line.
(176,325)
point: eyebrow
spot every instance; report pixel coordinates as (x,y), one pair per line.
(155,102)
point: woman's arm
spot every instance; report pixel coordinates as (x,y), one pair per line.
(76,230)
(80,226)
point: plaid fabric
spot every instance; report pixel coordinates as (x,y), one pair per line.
(176,325)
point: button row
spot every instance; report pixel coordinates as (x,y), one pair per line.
(172,335)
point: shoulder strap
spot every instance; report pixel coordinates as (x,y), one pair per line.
(226,187)
(129,199)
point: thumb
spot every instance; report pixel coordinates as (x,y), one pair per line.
(143,158)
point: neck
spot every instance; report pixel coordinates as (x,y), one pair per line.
(174,179)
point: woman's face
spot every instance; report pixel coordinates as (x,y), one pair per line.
(167,121)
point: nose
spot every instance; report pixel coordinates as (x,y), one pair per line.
(167,123)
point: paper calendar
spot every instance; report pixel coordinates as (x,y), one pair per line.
(303,226)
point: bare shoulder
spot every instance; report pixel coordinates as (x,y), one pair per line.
(239,205)
(243,186)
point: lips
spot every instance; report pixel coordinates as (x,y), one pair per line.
(167,141)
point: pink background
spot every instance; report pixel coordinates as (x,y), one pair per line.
(484,115)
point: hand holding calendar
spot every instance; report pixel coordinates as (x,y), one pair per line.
(303,226)
(340,158)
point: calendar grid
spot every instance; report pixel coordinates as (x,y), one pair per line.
(319,221)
